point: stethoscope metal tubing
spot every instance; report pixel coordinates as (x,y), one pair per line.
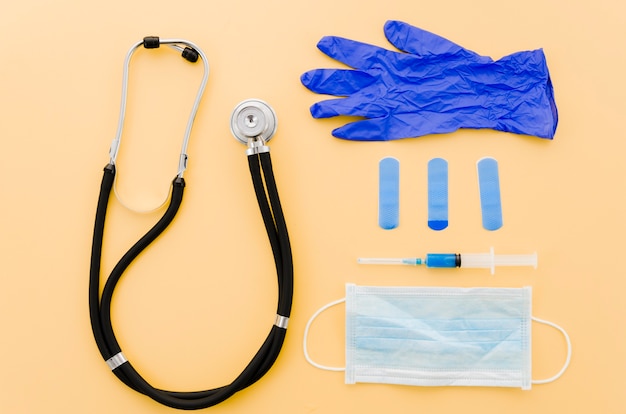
(115,145)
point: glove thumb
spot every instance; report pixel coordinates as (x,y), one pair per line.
(423,43)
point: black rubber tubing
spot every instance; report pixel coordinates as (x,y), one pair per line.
(100,306)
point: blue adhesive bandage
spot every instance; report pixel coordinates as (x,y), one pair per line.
(489,187)
(388,193)
(438,194)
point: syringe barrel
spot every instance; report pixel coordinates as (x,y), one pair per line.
(491,260)
(443,260)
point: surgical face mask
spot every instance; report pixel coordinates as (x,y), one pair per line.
(432,336)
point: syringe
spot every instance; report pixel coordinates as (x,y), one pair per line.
(463,260)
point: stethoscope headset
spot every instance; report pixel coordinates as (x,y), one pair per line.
(253,122)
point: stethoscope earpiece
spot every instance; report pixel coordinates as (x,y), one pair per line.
(189,53)
(151,42)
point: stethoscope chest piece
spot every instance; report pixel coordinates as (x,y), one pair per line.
(253,119)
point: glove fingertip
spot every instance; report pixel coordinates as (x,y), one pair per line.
(401,35)
(313,110)
(317,111)
(353,132)
(305,78)
(339,133)
(392,26)
(390,30)
(325,44)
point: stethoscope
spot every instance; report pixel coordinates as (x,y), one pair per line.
(253,122)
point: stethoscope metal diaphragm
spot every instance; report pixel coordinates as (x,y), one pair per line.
(253,119)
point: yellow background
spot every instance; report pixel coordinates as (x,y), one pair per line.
(195,306)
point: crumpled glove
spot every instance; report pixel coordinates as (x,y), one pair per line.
(433,86)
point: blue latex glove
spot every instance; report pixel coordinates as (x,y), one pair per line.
(434,86)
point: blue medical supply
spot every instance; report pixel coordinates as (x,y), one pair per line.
(465,260)
(437,194)
(388,193)
(439,336)
(489,188)
(432,86)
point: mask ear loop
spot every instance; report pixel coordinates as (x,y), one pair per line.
(569,352)
(306,336)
